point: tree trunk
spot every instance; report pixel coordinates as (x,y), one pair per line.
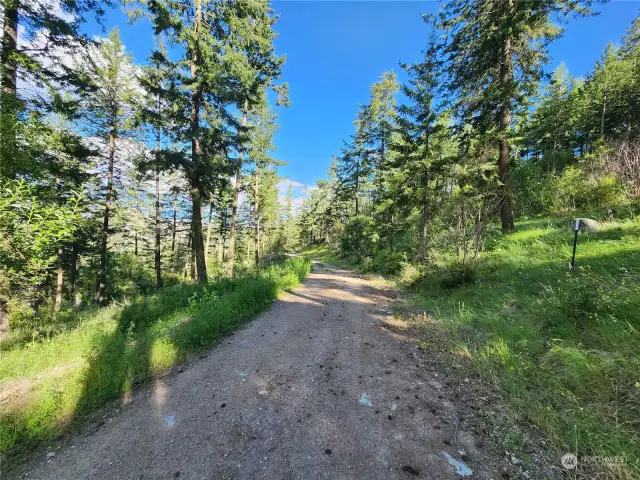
(197,242)
(173,230)
(223,234)
(9,81)
(262,243)
(425,221)
(604,110)
(506,76)
(135,243)
(234,214)
(633,108)
(186,264)
(192,263)
(58,303)
(357,184)
(9,47)
(157,258)
(257,216)
(4,319)
(234,206)
(206,248)
(102,272)
(73,274)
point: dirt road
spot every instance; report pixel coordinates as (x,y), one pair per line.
(315,388)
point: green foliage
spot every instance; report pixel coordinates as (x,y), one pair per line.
(129,276)
(456,275)
(564,347)
(32,228)
(571,192)
(108,108)
(359,239)
(110,350)
(385,263)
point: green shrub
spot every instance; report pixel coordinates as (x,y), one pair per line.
(573,191)
(359,239)
(457,274)
(128,276)
(386,263)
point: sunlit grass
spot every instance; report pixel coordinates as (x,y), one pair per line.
(324,254)
(564,346)
(111,350)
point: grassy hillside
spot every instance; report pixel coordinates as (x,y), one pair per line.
(564,347)
(45,383)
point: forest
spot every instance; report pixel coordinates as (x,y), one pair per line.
(118,179)
(132,194)
(141,218)
(464,184)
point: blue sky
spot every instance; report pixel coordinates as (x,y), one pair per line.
(336,49)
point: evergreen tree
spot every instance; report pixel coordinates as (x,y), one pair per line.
(417,122)
(254,65)
(495,51)
(47,34)
(109,115)
(353,168)
(550,134)
(260,146)
(375,124)
(155,112)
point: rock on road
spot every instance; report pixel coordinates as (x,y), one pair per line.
(281,399)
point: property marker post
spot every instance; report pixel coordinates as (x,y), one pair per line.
(576,229)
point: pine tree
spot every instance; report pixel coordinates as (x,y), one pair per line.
(375,124)
(260,145)
(382,115)
(255,66)
(227,59)
(353,168)
(155,111)
(109,115)
(495,51)
(550,132)
(631,54)
(49,34)
(417,123)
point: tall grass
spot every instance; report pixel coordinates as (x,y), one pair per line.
(55,379)
(564,346)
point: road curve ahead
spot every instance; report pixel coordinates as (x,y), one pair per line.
(317,387)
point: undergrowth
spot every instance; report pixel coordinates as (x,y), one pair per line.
(104,353)
(563,346)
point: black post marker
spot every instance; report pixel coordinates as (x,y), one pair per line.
(576,229)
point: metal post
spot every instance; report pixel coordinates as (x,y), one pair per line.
(576,229)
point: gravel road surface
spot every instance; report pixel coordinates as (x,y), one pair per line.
(318,387)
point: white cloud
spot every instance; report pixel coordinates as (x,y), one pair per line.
(58,58)
(300,191)
(285,183)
